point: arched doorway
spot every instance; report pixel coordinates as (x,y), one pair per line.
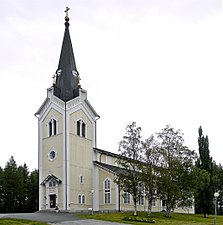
(52,201)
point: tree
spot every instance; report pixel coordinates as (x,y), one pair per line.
(175,168)
(130,150)
(33,191)
(23,179)
(1,191)
(218,175)
(10,185)
(18,188)
(205,193)
(148,169)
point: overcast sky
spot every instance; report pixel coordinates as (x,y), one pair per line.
(156,62)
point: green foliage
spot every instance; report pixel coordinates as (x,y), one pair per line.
(162,164)
(130,151)
(205,192)
(175,167)
(149,173)
(218,175)
(4,221)
(33,191)
(139,219)
(18,188)
(159,218)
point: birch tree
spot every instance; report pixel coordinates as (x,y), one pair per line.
(175,165)
(130,149)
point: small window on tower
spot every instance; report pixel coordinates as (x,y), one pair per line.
(81,179)
(51,155)
(52,127)
(79,199)
(83,199)
(52,183)
(81,128)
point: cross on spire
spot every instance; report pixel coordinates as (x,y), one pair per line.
(66,11)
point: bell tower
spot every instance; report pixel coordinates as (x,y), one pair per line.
(66,137)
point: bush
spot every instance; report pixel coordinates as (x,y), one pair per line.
(139,219)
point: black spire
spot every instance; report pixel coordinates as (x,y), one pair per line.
(66,86)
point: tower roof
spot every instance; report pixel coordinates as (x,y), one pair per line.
(66,86)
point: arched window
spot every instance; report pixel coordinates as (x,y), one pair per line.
(81,128)
(154,201)
(52,127)
(83,132)
(52,183)
(126,195)
(141,194)
(107,191)
(141,200)
(78,128)
(81,199)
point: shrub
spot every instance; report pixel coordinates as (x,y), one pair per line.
(139,219)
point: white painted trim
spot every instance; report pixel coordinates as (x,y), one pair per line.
(94,135)
(68,159)
(51,105)
(95,178)
(40,163)
(116,197)
(64,166)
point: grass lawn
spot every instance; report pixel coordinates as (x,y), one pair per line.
(7,221)
(160,219)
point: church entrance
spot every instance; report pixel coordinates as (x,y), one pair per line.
(52,201)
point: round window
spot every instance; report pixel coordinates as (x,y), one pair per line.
(52,155)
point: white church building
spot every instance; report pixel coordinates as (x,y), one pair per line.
(75,175)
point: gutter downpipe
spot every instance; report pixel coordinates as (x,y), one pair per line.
(95,141)
(37,116)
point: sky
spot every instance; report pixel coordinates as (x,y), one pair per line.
(156,62)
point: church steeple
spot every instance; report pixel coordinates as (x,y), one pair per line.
(66,86)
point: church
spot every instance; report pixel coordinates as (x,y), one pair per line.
(75,175)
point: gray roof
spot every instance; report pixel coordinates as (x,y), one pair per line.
(113,169)
(107,153)
(51,177)
(67,77)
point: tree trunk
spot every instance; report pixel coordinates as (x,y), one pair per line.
(168,213)
(135,207)
(135,210)
(149,207)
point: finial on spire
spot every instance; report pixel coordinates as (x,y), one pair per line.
(54,78)
(66,11)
